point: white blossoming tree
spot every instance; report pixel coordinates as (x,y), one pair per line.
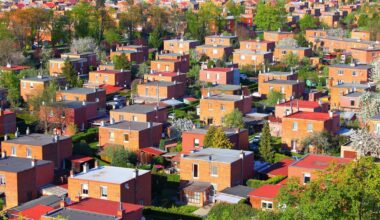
(375,72)
(336,32)
(369,106)
(366,143)
(287,42)
(180,125)
(82,45)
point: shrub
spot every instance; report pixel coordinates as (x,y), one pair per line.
(254,183)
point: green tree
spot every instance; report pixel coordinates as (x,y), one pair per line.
(308,22)
(70,74)
(225,211)
(155,38)
(340,192)
(220,139)
(273,97)
(266,148)
(270,17)
(290,60)
(301,40)
(208,141)
(194,72)
(11,82)
(234,119)
(121,62)
(112,37)
(120,157)
(60,33)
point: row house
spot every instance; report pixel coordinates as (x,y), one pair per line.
(120,78)
(132,135)
(289,88)
(160,90)
(340,90)
(221,40)
(138,48)
(32,86)
(225,89)
(133,53)
(219,75)
(213,108)
(22,178)
(365,55)
(56,66)
(7,121)
(259,45)
(315,33)
(41,147)
(285,108)
(299,125)
(272,75)
(83,94)
(180,45)
(251,57)
(265,197)
(331,44)
(276,36)
(91,57)
(300,52)
(166,76)
(213,51)
(331,19)
(64,113)
(141,113)
(349,73)
(112,184)
(171,62)
(193,139)
(361,35)
(214,170)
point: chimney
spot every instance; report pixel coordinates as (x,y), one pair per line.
(33,161)
(136,173)
(66,88)
(84,103)
(242,154)
(121,211)
(237,130)
(71,173)
(96,164)
(3,154)
(56,138)
(150,124)
(102,123)
(85,168)
(16,133)
(5,137)
(331,114)
(62,203)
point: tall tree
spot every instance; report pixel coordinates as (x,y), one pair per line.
(70,74)
(308,22)
(270,17)
(220,139)
(234,119)
(155,38)
(207,142)
(121,62)
(266,148)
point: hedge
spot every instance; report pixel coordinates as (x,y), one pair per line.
(159,213)
(254,183)
(90,136)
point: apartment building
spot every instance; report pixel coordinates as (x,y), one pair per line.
(80,65)
(340,90)
(276,36)
(221,40)
(120,78)
(252,57)
(266,76)
(282,51)
(7,121)
(349,73)
(226,89)
(258,45)
(220,75)
(141,113)
(91,57)
(171,62)
(32,86)
(160,90)
(166,76)
(289,88)
(83,94)
(214,51)
(285,108)
(180,45)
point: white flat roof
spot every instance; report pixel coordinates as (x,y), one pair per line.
(109,174)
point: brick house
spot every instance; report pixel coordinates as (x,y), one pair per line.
(7,121)
(289,88)
(63,113)
(307,169)
(264,197)
(214,107)
(283,109)
(311,33)
(31,86)
(349,73)
(41,147)
(166,76)
(347,151)
(219,75)
(142,50)
(361,35)
(221,40)
(342,89)
(258,45)
(193,139)
(166,90)
(131,55)
(331,19)
(300,52)
(330,44)
(90,208)
(83,94)
(171,62)
(252,57)
(299,125)
(220,52)
(374,124)
(222,168)
(56,65)
(120,78)
(21,178)
(226,89)
(91,57)
(132,135)
(180,45)
(111,183)
(142,113)
(265,76)
(365,55)
(276,36)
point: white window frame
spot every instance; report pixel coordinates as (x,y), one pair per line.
(13,151)
(306,175)
(295,126)
(265,203)
(214,172)
(197,165)
(28,152)
(84,186)
(310,127)
(111,136)
(102,190)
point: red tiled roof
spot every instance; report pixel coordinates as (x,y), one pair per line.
(35,212)
(50,4)
(279,168)
(111,89)
(319,116)
(80,159)
(300,103)
(266,191)
(219,69)
(190,99)
(273,119)
(152,150)
(319,162)
(14,67)
(105,207)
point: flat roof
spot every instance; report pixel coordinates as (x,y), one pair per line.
(227,131)
(227,87)
(34,139)
(317,116)
(132,125)
(224,97)
(355,85)
(300,103)
(221,36)
(18,164)
(278,73)
(44,78)
(280,81)
(72,104)
(161,83)
(239,190)
(44,200)
(219,69)
(293,48)
(181,40)
(142,109)
(78,90)
(69,58)
(214,46)
(109,174)
(319,162)
(354,94)
(73,214)
(259,52)
(216,154)
(266,191)
(349,66)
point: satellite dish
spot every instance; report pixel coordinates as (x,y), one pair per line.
(126,186)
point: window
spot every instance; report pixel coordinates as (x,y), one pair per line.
(134,118)
(282,90)
(76,98)
(63,115)
(340,72)
(283,52)
(222,107)
(354,73)
(195,171)
(242,57)
(377,129)
(207,75)
(23,85)
(352,102)
(126,137)
(266,204)
(295,126)
(28,153)
(2,180)
(310,127)
(214,171)
(64,97)
(248,46)
(121,117)
(103,192)
(194,198)
(85,189)
(196,142)
(31,85)
(214,51)
(97,100)
(167,68)
(146,91)
(181,45)
(306,178)
(209,106)
(217,76)
(111,136)
(106,78)
(253,58)
(271,88)
(14,151)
